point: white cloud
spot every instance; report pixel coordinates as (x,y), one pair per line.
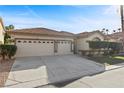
(112,10)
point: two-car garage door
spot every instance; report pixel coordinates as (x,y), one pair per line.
(42,47)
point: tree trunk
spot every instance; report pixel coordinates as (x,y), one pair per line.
(3,57)
(9,57)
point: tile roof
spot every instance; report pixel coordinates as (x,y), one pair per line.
(87,34)
(116,35)
(41,31)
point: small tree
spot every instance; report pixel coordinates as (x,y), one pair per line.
(10,27)
(6,38)
(12,51)
(7,50)
(3,52)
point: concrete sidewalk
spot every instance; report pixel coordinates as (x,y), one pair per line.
(38,71)
(108,79)
(116,66)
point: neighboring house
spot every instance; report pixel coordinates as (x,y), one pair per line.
(115,37)
(1,31)
(83,38)
(42,42)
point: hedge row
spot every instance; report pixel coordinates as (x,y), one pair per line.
(104,45)
(8,50)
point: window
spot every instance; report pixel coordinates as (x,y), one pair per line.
(29,41)
(62,42)
(51,42)
(47,42)
(34,41)
(19,41)
(24,41)
(39,42)
(44,42)
(96,39)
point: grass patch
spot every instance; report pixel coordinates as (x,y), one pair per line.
(119,57)
(108,59)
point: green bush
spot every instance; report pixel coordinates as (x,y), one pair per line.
(8,50)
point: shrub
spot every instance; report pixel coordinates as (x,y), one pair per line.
(8,50)
(6,38)
(114,46)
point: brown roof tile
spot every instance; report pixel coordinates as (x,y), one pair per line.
(41,31)
(116,35)
(87,34)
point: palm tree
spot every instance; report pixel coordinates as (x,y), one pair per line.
(107,31)
(6,36)
(10,27)
(103,31)
(119,29)
(114,31)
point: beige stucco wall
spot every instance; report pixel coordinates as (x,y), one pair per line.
(1,34)
(39,37)
(112,40)
(82,43)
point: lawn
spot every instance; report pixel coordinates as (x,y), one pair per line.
(110,60)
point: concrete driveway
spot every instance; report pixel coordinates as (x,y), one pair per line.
(37,71)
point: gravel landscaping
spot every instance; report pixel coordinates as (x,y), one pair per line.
(5,67)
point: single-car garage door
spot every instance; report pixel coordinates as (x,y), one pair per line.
(34,47)
(64,47)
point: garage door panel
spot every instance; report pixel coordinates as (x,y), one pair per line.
(64,47)
(34,48)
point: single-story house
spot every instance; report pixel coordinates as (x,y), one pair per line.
(44,42)
(116,37)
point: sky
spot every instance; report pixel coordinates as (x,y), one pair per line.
(71,18)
